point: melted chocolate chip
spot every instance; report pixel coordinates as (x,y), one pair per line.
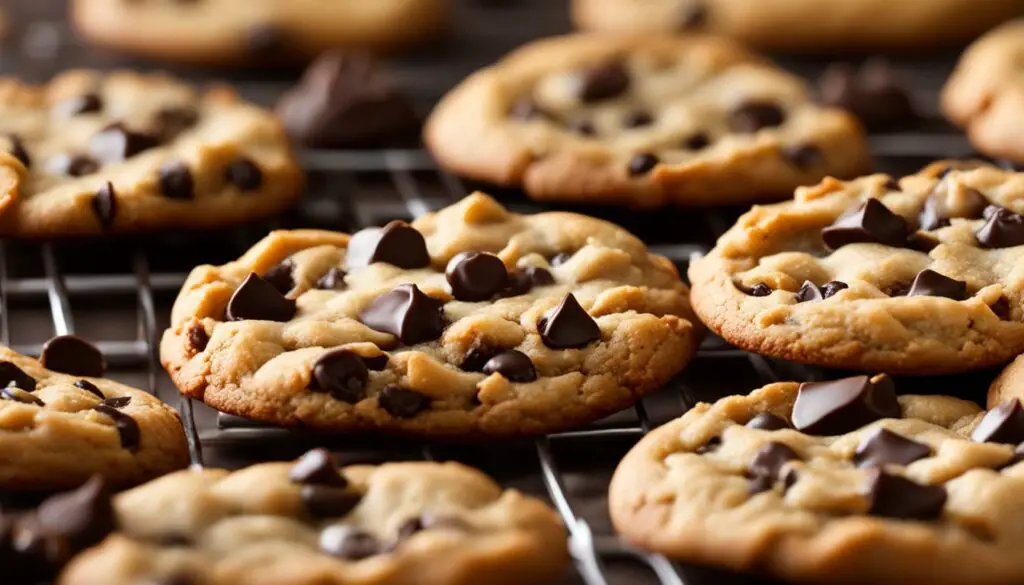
(643,163)
(87,103)
(397,243)
(84,517)
(401,403)
(1004,229)
(407,313)
(936,212)
(198,338)
(72,165)
(173,120)
(73,355)
(118,401)
(840,406)
(884,447)
(104,205)
(872,222)
(90,388)
(476,359)
(514,365)
(244,174)
(759,289)
(1001,308)
(1002,424)
(893,496)
(696,141)
(115,143)
(280,276)
(476,276)
(324,501)
(258,300)
(602,82)
(929,283)
(873,94)
(811,292)
(12,375)
(377,363)
(767,421)
(348,543)
(18,150)
(18,395)
(637,119)
(333,279)
(568,326)
(176,181)
(343,373)
(126,426)
(523,281)
(767,465)
(804,156)
(753,116)
(316,467)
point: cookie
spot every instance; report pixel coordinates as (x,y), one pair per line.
(95,153)
(915,277)
(831,482)
(982,95)
(872,92)
(642,122)
(473,321)
(61,422)
(806,26)
(259,32)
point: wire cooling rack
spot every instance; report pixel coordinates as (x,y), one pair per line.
(119,292)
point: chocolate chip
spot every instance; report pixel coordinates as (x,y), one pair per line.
(899,289)
(840,406)
(343,373)
(244,174)
(333,279)
(1002,424)
(890,185)
(1001,308)
(694,15)
(84,517)
(642,163)
(198,338)
(514,365)
(401,403)
(126,426)
(87,103)
(922,242)
(115,143)
(266,39)
(408,528)
(118,401)
(804,156)
(173,120)
(16,394)
(929,283)
(476,276)
(583,127)
(73,355)
(476,359)
(560,258)
(280,276)
(602,82)
(811,292)
(696,141)
(316,467)
(568,326)
(90,388)
(936,212)
(893,496)
(637,119)
(348,543)
(407,313)
(72,165)
(176,181)
(1004,229)
(752,116)
(257,299)
(324,501)
(104,205)
(377,363)
(883,447)
(12,375)
(872,222)
(397,243)
(759,289)
(872,94)
(767,421)
(18,150)
(767,463)
(524,280)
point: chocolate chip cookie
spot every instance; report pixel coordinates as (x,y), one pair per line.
(309,523)
(831,482)
(918,276)
(61,422)
(642,122)
(95,153)
(255,32)
(806,26)
(472,321)
(983,95)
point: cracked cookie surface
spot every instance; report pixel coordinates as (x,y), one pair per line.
(58,429)
(922,276)
(831,482)
(642,122)
(94,153)
(473,321)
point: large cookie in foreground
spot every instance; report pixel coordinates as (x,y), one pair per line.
(922,276)
(642,122)
(831,482)
(97,153)
(472,321)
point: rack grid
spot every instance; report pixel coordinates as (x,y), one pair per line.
(119,293)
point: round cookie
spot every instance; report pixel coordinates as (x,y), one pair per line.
(642,122)
(95,153)
(474,321)
(228,32)
(984,94)
(806,26)
(61,422)
(916,277)
(831,482)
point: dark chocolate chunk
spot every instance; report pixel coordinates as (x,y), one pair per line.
(116,143)
(642,163)
(767,421)
(316,467)
(768,463)
(341,372)
(872,93)
(176,181)
(90,388)
(476,359)
(840,406)
(325,501)
(198,338)
(84,517)
(1004,229)
(1002,424)
(568,326)
(638,119)
(752,116)
(696,141)
(118,401)
(280,276)
(936,212)
(514,365)
(86,103)
(893,496)
(583,127)
(258,300)
(266,39)
(476,276)
(811,292)
(126,426)
(104,205)
(872,222)
(602,82)
(171,121)
(244,174)
(401,403)
(333,279)
(883,447)
(348,543)
(12,375)
(407,313)
(922,242)
(397,243)
(72,165)
(73,355)
(1001,308)
(929,283)
(759,289)
(18,150)
(804,156)
(16,394)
